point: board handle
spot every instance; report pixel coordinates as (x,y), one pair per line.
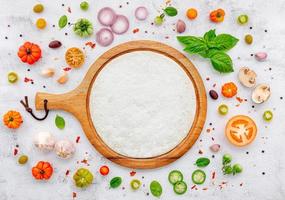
(67,101)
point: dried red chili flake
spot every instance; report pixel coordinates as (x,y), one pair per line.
(208,130)
(132,173)
(213,175)
(240,184)
(224,182)
(91,44)
(84,161)
(200,151)
(67,172)
(166,37)
(136,30)
(214,85)
(239,99)
(15,152)
(74,194)
(205,188)
(77,139)
(26,80)
(194,186)
(69,9)
(67,69)
(213,139)
(207,79)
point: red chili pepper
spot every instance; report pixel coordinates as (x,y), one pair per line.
(26,80)
(77,139)
(15,152)
(67,172)
(67,69)
(132,173)
(136,30)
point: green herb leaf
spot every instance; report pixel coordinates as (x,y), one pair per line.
(202,162)
(193,44)
(59,122)
(155,188)
(210,35)
(223,42)
(222,62)
(115,182)
(170,11)
(62,21)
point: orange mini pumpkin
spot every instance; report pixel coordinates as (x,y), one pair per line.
(29,53)
(229,90)
(42,171)
(217,15)
(12,119)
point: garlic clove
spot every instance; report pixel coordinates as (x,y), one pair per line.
(48,72)
(247,77)
(180,26)
(261,93)
(63,79)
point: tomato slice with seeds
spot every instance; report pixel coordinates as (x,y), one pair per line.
(241,130)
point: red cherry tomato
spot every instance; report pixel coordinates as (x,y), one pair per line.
(104,170)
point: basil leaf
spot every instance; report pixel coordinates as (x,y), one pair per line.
(193,44)
(155,188)
(115,182)
(170,11)
(202,162)
(210,35)
(62,21)
(222,62)
(224,42)
(59,122)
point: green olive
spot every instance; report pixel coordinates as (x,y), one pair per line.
(243,19)
(23,159)
(38,8)
(158,20)
(223,109)
(248,39)
(268,115)
(84,5)
(237,168)
(12,77)
(227,158)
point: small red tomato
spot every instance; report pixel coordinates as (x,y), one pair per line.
(104,170)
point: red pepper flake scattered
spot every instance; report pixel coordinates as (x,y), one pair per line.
(239,99)
(240,184)
(132,173)
(26,80)
(224,182)
(208,130)
(136,30)
(69,9)
(200,151)
(237,105)
(84,161)
(77,139)
(207,79)
(67,69)
(213,175)
(194,186)
(15,152)
(205,188)
(214,85)
(213,139)
(91,44)
(74,194)
(67,172)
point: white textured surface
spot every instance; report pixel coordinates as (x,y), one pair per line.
(142,104)
(16,182)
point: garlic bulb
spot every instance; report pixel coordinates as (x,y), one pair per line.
(64,149)
(44,141)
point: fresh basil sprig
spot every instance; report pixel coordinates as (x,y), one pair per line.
(170,11)
(202,162)
(211,46)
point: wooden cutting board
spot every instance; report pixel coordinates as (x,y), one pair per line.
(77,103)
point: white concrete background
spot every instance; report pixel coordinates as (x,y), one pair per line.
(16,181)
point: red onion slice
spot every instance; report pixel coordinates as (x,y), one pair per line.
(106,16)
(141,13)
(104,37)
(121,25)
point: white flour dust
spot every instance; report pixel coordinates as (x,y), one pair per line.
(142,104)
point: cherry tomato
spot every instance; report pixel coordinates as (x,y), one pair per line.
(104,170)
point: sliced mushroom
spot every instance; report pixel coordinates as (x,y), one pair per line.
(247,77)
(261,93)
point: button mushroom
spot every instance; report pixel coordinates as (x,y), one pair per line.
(247,77)
(261,93)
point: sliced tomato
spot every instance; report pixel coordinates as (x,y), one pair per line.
(241,130)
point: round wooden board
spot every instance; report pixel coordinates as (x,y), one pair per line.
(77,103)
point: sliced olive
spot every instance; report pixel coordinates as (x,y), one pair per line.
(268,115)
(223,109)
